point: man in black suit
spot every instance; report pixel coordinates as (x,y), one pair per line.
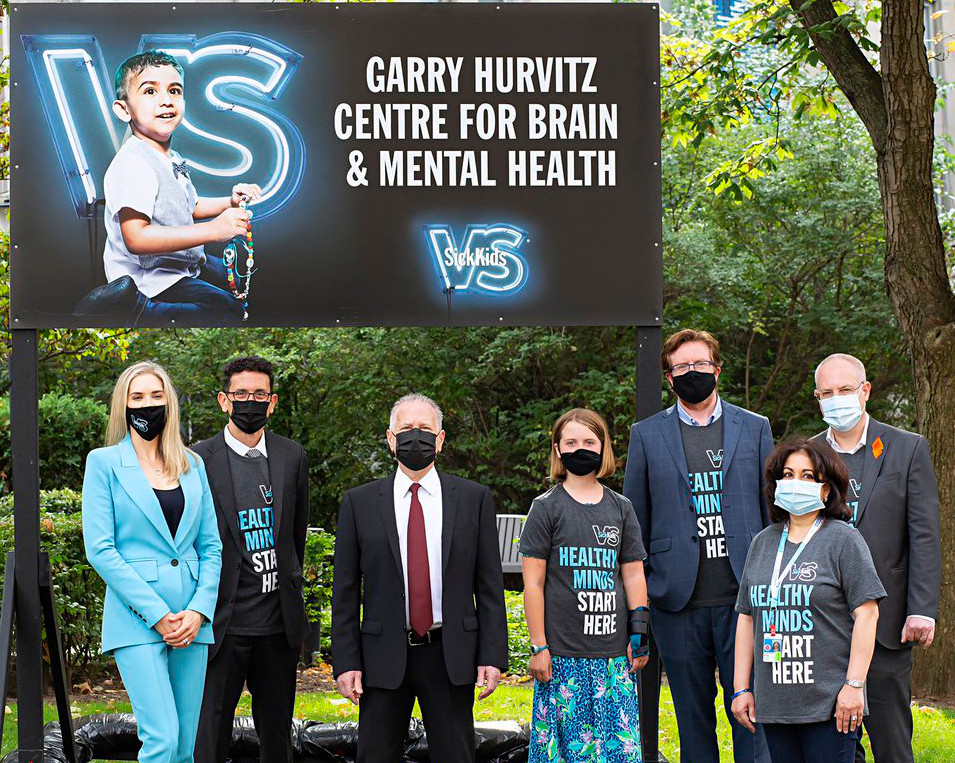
(260,489)
(418,598)
(893,497)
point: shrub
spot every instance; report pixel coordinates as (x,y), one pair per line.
(78,590)
(70,427)
(518,639)
(64,501)
(318,572)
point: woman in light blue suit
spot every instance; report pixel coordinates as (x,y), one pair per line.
(150,531)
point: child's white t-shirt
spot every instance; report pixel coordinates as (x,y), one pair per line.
(142,178)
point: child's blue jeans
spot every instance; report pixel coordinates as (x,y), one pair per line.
(202,301)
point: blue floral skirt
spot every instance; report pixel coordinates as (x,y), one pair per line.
(587,713)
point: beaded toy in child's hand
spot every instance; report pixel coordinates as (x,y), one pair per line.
(241,247)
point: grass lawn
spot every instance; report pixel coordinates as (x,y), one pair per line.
(934,728)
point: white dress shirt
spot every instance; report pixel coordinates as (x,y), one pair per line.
(241,448)
(831,439)
(429,494)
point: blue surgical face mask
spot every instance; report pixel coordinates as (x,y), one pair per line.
(799,497)
(841,412)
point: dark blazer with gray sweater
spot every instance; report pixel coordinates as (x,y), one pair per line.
(288,471)
(898,517)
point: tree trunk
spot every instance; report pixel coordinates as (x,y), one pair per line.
(897,107)
(919,288)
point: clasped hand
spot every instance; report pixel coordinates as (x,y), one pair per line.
(179,629)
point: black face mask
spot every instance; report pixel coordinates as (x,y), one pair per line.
(148,421)
(249,415)
(582,461)
(694,387)
(415,448)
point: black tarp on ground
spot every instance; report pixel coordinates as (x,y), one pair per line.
(113,737)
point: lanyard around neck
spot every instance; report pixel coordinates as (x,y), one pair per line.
(778,574)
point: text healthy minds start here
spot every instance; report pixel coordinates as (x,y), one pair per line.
(578,121)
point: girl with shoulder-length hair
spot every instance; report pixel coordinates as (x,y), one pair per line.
(585,601)
(150,531)
(809,605)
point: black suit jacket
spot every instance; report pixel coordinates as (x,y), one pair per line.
(288,471)
(898,517)
(369,627)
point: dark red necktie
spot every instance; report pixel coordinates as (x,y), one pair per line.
(419,571)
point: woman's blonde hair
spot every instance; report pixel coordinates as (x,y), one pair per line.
(596,424)
(172,450)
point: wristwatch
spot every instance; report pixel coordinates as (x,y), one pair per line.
(538,649)
(855,684)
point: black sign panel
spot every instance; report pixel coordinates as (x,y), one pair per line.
(403,165)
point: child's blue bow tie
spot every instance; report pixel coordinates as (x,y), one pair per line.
(179,169)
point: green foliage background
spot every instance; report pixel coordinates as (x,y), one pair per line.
(782,280)
(773,241)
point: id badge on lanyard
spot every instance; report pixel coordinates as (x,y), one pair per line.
(773,642)
(772,646)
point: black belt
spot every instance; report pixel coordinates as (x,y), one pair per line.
(430,637)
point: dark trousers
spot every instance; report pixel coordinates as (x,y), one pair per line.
(268,665)
(809,742)
(446,709)
(693,644)
(196,301)
(889,722)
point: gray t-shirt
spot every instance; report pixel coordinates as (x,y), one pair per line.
(257,610)
(158,186)
(833,576)
(585,605)
(716,584)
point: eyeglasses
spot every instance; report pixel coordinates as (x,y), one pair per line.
(705,366)
(260,395)
(825,394)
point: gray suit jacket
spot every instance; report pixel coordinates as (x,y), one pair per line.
(898,517)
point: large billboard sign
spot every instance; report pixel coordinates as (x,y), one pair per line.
(402,164)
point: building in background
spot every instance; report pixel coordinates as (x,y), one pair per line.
(939,37)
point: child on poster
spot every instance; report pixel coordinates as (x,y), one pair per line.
(585,600)
(156,225)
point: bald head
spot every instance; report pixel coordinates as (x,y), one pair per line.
(842,364)
(840,375)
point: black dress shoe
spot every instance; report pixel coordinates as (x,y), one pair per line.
(117,299)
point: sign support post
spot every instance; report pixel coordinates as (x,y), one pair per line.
(24,436)
(28,597)
(649,344)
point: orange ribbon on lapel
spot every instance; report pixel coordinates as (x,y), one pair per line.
(877,447)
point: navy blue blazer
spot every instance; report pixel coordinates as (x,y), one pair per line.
(657,483)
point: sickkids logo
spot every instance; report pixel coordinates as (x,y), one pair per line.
(805,572)
(606,535)
(484,258)
(232,131)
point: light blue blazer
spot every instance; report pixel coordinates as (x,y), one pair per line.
(148,573)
